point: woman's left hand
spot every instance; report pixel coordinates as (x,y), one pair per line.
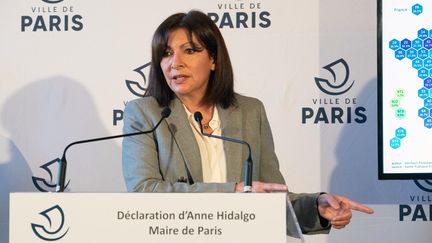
(338,210)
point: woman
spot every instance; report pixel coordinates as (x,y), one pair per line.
(191,71)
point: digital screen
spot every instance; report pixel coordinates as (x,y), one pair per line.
(405,89)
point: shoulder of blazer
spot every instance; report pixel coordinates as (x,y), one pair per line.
(247,103)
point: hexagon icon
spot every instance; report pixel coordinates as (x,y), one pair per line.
(400,132)
(417,9)
(417,63)
(395,143)
(427,43)
(394,103)
(400,54)
(423,93)
(416,44)
(427,83)
(395,44)
(423,113)
(422,33)
(406,44)
(423,73)
(428,122)
(400,113)
(411,54)
(400,93)
(428,63)
(428,103)
(422,53)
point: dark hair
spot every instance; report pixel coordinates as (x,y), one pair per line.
(220,88)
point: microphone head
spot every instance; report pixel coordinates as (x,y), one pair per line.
(166,112)
(198,116)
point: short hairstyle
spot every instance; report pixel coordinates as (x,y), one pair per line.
(220,88)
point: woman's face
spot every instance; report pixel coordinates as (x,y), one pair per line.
(186,66)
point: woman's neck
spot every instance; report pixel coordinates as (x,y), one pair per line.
(205,109)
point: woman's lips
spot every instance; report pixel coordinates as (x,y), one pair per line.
(179,78)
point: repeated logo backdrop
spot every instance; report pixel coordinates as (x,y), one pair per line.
(70,66)
(335,108)
(51,16)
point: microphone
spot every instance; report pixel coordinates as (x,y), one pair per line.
(63,163)
(248,166)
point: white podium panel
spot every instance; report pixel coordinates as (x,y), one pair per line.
(147,217)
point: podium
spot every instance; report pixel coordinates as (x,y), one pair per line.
(152,217)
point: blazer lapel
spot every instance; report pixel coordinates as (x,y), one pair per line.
(235,153)
(178,124)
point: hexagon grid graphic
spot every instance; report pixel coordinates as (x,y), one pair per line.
(400,133)
(419,53)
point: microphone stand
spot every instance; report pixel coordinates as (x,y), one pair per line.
(61,178)
(248,164)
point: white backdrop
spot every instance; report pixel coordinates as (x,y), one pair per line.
(66,84)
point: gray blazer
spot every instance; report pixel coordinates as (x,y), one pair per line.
(154,162)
